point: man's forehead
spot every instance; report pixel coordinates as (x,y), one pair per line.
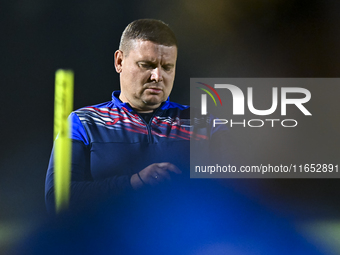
(144,47)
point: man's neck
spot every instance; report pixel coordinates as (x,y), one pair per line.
(139,110)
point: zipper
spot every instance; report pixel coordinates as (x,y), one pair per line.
(148,125)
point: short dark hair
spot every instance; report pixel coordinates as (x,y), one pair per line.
(147,30)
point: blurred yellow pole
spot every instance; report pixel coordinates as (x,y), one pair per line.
(63,104)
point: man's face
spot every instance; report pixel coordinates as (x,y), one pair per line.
(147,73)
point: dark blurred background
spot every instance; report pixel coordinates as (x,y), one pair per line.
(217,38)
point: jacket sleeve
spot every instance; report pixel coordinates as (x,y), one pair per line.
(83,187)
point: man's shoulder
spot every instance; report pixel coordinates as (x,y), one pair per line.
(175,109)
(168,105)
(99,114)
(97,108)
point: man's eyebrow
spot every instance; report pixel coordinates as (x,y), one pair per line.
(150,62)
(146,61)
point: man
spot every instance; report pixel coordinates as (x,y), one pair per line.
(138,139)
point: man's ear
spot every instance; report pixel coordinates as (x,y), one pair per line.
(118,60)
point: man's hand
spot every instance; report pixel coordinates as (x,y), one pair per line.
(154,174)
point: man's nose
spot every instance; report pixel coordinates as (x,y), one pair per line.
(156,74)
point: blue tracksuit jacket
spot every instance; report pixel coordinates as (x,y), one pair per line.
(111,142)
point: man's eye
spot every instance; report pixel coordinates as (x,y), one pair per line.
(167,68)
(145,66)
